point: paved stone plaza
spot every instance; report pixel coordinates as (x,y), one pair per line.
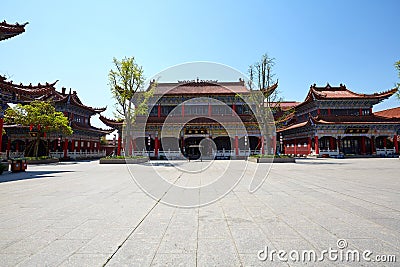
(86,214)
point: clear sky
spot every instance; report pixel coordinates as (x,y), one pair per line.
(352,42)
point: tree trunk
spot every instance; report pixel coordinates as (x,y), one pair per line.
(36,151)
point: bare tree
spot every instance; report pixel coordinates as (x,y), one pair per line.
(261,77)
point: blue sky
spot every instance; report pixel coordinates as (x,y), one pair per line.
(351,42)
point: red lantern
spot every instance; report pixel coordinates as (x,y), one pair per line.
(30,127)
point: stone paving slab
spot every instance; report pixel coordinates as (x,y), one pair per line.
(86,214)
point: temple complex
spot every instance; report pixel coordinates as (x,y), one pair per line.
(331,121)
(335,121)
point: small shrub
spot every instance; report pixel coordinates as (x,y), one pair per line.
(258,156)
(3,168)
(124,157)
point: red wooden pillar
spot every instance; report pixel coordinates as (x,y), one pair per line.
(119,145)
(159,110)
(273,144)
(72,145)
(262,145)
(156,146)
(316,145)
(384,142)
(329,111)
(372,145)
(363,148)
(233,109)
(308,145)
(332,143)
(295,147)
(209,110)
(360,111)
(284,147)
(1,132)
(65,147)
(8,147)
(396,144)
(236,145)
(79,145)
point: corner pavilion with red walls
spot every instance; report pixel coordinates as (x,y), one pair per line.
(83,143)
(335,120)
(85,140)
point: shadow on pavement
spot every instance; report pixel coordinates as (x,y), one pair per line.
(320,162)
(9,176)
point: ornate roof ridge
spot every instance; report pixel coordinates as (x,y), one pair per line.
(109,119)
(11,30)
(90,127)
(4,23)
(73,97)
(4,81)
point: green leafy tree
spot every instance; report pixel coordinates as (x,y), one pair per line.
(43,117)
(126,81)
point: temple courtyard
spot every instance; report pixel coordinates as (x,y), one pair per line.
(87,214)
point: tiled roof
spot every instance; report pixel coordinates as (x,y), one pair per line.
(191,88)
(30,89)
(19,93)
(293,126)
(389,113)
(72,98)
(86,127)
(116,124)
(285,105)
(341,92)
(332,119)
(366,119)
